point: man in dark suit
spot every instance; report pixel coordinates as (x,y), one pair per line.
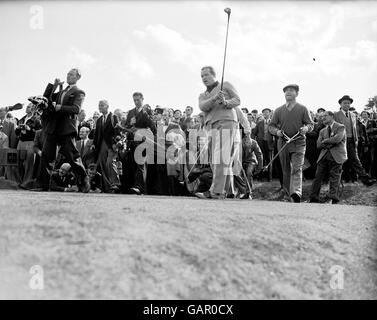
(84,146)
(39,139)
(312,152)
(332,143)
(81,122)
(371,129)
(60,127)
(137,118)
(105,154)
(265,139)
(348,119)
(187,121)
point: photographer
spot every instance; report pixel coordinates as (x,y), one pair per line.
(25,131)
(63,180)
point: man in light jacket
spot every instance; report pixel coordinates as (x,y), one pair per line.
(221,120)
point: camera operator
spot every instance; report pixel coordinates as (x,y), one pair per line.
(25,131)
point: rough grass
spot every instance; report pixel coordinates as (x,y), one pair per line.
(351,193)
(142,247)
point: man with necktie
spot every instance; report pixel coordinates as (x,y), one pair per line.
(137,118)
(105,152)
(348,119)
(84,145)
(60,126)
(332,143)
(265,139)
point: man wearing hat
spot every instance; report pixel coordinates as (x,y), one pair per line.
(348,119)
(288,120)
(265,139)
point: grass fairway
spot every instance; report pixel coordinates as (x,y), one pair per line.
(143,247)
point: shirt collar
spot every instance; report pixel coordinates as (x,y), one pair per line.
(293,104)
(212,86)
(344,112)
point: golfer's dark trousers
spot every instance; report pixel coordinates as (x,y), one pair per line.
(327,166)
(354,161)
(68,150)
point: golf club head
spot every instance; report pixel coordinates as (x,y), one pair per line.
(228,11)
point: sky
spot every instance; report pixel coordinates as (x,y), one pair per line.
(158,47)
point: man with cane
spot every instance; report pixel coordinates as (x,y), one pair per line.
(289,120)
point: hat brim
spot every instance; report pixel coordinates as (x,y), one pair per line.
(292,87)
(344,99)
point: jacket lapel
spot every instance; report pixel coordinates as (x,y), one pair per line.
(108,120)
(86,148)
(66,94)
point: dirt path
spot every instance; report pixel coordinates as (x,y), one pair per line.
(143,247)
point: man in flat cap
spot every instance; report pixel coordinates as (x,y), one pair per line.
(287,120)
(348,119)
(265,139)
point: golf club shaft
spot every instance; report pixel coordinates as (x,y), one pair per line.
(226,44)
(282,148)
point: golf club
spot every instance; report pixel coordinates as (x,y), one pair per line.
(228,11)
(288,141)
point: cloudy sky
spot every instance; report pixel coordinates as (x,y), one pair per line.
(158,48)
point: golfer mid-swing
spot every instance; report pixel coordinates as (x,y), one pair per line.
(221,120)
(288,120)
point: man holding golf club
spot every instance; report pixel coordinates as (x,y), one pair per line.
(218,103)
(290,123)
